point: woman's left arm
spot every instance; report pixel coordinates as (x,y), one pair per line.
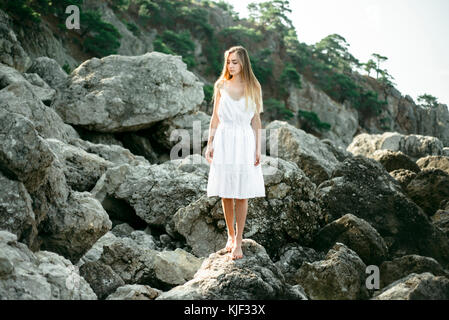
(256,124)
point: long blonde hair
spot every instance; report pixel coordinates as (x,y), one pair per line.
(252,87)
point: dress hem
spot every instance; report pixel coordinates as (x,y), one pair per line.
(236,197)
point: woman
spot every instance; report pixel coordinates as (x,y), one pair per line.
(234,144)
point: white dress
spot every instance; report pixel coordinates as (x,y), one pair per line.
(232,172)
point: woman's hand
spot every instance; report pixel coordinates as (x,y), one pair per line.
(209,153)
(258,155)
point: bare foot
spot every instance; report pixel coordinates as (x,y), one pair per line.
(237,252)
(230,243)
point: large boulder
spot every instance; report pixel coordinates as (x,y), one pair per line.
(307,151)
(423,286)
(49,70)
(429,189)
(19,98)
(254,277)
(393,160)
(340,276)
(154,193)
(415,146)
(128,93)
(11,51)
(362,187)
(42,275)
(438,162)
(355,233)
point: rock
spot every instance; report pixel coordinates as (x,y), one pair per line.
(20,98)
(343,119)
(356,234)
(128,93)
(441,219)
(289,211)
(38,276)
(154,192)
(16,212)
(189,127)
(403,176)
(424,286)
(95,252)
(362,187)
(102,279)
(415,146)
(340,276)
(393,160)
(134,292)
(82,170)
(428,189)
(398,268)
(11,51)
(137,264)
(41,91)
(74,228)
(292,257)
(113,153)
(438,162)
(139,145)
(49,70)
(307,151)
(254,277)
(24,155)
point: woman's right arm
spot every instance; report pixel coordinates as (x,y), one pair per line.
(214,121)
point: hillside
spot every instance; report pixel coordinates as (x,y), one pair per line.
(316,88)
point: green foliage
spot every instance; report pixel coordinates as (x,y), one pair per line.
(195,18)
(102,37)
(241,34)
(276,110)
(133,28)
(179,44)
(208,93)
(262,65)
(66,68)
(21,11)
(271,15)
(369,104)
(213,53)
(428,101)
(289,77)
(309,121)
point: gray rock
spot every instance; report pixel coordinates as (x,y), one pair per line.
(403,176)
(415,146)
(49,70)
(19,98)
(438,162)
(429,189)
(393,160)
(82,169)
(306,150)
(356,234)
(424,286)
(16,212)
(134,292)
(363,187)
(340,276)
(128,93)
(102,279)
(398,268)
(254,277)
(11,51)
(38,276)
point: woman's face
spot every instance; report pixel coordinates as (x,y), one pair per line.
(233,64)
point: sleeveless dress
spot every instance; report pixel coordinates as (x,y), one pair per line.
(232,172)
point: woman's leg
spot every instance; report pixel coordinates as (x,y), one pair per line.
(241,208)
(228,209)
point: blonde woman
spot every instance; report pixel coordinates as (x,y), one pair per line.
(234,144)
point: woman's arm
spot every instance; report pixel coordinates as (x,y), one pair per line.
(256,124)
(214,120)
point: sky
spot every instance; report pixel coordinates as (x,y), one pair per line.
(412,34)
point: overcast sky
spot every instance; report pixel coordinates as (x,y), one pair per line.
(412,34)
